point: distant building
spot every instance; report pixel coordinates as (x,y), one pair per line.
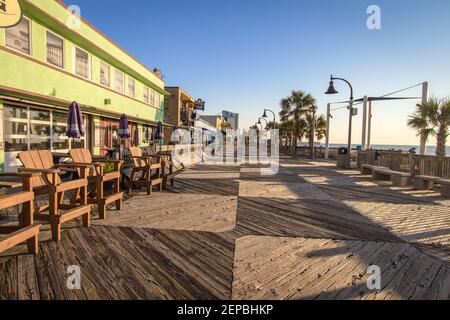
(217,121)
(181,110)
(231,118)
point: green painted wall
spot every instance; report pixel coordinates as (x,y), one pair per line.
(27,75)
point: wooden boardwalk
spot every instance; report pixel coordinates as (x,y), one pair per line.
(226,232)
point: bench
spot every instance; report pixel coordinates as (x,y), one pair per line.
(399,179)
(422,182)
(368,168)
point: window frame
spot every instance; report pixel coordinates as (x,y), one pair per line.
(123,81)
(146,90)
(63,49)
(109,74)
(75,63)
(30,38)
(131,80)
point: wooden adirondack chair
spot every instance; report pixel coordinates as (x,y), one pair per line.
(166,165)
(97,178)
(26,230)
(49,183)
(144,165)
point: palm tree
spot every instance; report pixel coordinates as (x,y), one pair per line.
(432,119)
(316,123)
(294,108)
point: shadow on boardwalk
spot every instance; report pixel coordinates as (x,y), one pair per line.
(225,232)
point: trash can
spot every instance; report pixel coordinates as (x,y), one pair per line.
(342,158)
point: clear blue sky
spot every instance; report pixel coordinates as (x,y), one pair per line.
(245,55)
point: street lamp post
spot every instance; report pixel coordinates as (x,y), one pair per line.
(332,90)
(259,122)
(274,117)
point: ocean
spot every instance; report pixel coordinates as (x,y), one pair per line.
(430,150)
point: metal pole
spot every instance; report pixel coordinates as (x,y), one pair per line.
(369,127)
(364,124)
(313,129)
(423,143)
(327,137)
(349,155)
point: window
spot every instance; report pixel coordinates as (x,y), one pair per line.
(146,95)
(152,97)
(82,63)
(37,129)
(55,50)
(18,37)
(157,100)
(104,74)
(118,83)
(131,87)
(147,133)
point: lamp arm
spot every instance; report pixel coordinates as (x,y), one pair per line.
(274,116)
(349,84)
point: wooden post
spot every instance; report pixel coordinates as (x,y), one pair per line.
(369,126)
(327,137)
(423,143)
(364,124)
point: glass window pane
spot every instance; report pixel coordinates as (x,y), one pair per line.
(40,130)
(37,143)
(61,144)
(81,63)
(152,97)
(14,145)
(118,83)
(55,50)
(40,115)
(131,87)
(59,117)
(78,144)
(146,96)
(157,100)
(15,112)
(104,74)
(15,128)
(18,37)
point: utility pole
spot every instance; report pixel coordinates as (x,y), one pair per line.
(364,123)
(423,143)
(327,137)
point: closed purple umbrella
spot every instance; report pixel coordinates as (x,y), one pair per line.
(124,131)
(75,123)
(159,135)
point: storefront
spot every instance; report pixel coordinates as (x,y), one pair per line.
(34,128)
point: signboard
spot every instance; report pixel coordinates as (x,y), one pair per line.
(200,105)
(10,13)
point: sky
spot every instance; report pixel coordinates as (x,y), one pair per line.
(246,55)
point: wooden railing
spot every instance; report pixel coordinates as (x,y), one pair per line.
(405,162)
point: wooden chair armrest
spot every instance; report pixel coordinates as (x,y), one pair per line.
(21,174)
(42,171)
(109,161)
(74,165)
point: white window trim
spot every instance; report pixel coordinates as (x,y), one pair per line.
(30,38)
(109,74)
(123,81)
(64,50)
(128,87)
(75,63)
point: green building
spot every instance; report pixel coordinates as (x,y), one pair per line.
(50,59)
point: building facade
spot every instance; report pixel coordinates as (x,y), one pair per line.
(47,61)
(232,118)
(180,110)
(217,122)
